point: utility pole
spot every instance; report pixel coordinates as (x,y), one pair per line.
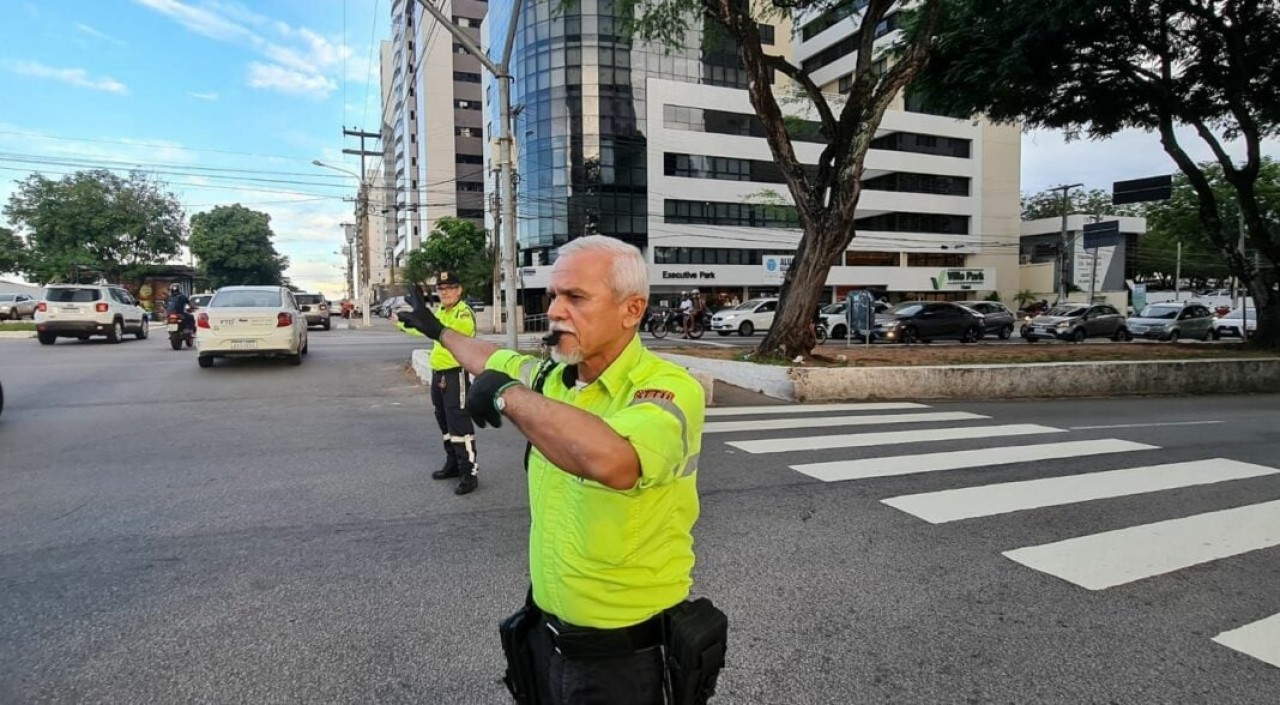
(496,205)
(502,72)
(1177,274)
(1064,244)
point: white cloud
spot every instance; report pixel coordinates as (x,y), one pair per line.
(203,96)
(99,34)
(75,77)
(198,20)
(1049,160)
(285,80)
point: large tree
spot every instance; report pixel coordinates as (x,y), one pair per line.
(13,251)
(95,219)
(457,246)
(1095,67)
(826,195)
(232,246)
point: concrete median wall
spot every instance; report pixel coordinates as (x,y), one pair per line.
(1038,380)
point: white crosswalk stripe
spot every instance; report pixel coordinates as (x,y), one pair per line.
(830,421)
(811,408)
(864,440)
(1122,556)
(1261,640)
(971,502)
(841,470)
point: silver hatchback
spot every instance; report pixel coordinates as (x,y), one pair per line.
(1174,320)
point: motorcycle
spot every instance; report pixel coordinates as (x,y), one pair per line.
(181,330)
(661,323)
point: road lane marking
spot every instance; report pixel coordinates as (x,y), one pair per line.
(1111,558)
(811,408)
(1144,425)
(1261,640)
(829,421)
(841,470)
(863,440)
(1006,497)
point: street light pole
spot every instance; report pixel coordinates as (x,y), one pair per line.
(1063,243)
(502,72)
(362,226)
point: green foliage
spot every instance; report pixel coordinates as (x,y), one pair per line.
(94,219)
(232,246)
(993,296)
(1048,204)
(456,246)
(13,251)
(1025,297)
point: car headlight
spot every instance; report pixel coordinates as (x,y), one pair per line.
(1063,324)
(729,318)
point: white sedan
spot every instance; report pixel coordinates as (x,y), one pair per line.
(1230,325)
(251,321)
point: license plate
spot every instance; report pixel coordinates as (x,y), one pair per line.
(244,344)
(172,328)
(71,309)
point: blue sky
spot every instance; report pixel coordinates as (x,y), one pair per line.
(190,87)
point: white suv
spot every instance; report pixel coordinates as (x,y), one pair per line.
(84,310)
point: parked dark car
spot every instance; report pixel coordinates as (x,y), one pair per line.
(997,319)
(923,321)
(1076,322)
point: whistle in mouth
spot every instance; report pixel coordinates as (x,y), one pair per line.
(550,339)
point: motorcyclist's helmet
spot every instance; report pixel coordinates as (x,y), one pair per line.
(174,288)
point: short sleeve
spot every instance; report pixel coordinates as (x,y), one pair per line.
(515,365)
(406,329)
(465,323)
(663,422)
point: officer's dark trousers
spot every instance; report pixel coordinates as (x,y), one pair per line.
(630,679)
(449,394)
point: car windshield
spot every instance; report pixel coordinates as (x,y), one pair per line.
(905,309)
(1066,312)
(1169,312)
(748,305)
(834,308)
(307,299)
(201,300)
(246,298)
(63,295)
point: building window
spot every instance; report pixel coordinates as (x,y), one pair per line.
(469,159)
(721,122)
(466,22)
(750,215)
(923,144)
(697,166)
(465,77)
(713,255)
(766,34)
(908,182)
(459,49)
(467,131)
(848,45)
(466,104)
(471,213)
(846,83)
(915,223)
(829,18)
(470,187)
(934,259)
(854,258)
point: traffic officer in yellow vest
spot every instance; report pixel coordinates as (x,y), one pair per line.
(449,385)
(615,433)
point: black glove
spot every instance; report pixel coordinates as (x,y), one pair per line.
(421,318)
(484,393)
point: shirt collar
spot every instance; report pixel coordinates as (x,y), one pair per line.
(615,375)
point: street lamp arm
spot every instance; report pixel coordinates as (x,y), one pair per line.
(317,162)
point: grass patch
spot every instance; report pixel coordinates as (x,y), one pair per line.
(12,326)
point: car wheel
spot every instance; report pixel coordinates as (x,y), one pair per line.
(838,333)
(117,332)
(1078,335)
(306,347)
(1215,334)
(746,329)
(1208,335)
(1122,335)
(909,335)
(143,330)
(205,361)
(1006,332)
(295,360)
(971,335)
(723,332)
(82,337)
(1174,336)
(327,325)
(47,338)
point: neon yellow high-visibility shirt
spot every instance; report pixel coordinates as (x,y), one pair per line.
(605,558)
(458,317)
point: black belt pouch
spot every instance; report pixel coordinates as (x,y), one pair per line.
(697,638)
(516,634)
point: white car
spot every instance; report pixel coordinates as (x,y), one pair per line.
(84,310)
(1229,325)
(745,318)
(251,321)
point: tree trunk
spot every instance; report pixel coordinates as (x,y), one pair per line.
(791,333)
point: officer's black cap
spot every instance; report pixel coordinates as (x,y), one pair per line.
(447,279)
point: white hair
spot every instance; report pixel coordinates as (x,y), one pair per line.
(630,271)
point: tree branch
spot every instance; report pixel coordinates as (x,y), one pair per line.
(816,96)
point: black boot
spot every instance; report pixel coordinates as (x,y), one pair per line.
(467,485)
(450,469)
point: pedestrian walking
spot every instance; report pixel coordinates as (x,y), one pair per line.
(614,437)
(449,386)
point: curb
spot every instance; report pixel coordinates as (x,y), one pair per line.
(16,334)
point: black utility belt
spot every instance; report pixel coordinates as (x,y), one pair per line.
(447,370)
(584,642)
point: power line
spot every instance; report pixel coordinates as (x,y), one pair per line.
(364,119)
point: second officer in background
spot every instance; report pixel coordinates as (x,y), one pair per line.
(449,386)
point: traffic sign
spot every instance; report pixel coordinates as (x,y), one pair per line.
(1101,234)
(1154,188)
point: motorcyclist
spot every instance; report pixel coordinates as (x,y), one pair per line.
(178,302)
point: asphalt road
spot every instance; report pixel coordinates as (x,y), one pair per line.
(265,533)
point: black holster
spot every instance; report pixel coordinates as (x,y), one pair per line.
(516,634)
(697,639)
